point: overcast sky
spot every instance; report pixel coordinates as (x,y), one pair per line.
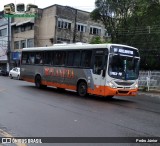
(86,5)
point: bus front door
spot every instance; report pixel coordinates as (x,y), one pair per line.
(98,77)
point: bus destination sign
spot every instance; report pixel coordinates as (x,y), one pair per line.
(124,50)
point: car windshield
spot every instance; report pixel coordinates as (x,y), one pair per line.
(123,67)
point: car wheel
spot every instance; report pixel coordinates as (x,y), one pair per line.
(18,77)
(11,76)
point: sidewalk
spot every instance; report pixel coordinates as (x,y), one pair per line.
(150,93)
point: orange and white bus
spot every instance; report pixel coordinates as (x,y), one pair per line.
(98,69)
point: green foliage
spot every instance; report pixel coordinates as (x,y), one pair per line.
(97,40)
(135,23)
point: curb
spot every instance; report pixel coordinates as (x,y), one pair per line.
(152,94)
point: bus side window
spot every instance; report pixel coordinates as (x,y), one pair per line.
(60,57)
(39,58)
(86,58)
(25,58)
(48,58)
(73,58)
(32,58)
(98,64)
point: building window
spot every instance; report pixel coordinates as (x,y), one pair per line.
(16,29)
(30,43)
(81,27)
(64,24)
(22,28)
(95,31)
(16,45)
(3,32)
(106,33)
(30,27)
(23,43)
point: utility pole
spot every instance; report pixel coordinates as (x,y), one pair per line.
(75,26)
(9,48)
(75,22)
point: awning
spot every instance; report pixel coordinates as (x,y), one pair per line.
(14,23)
(3,58)
(25,22)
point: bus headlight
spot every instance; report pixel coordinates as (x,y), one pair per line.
(111,85)
(135,86)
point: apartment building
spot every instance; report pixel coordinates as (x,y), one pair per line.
(22,36)
(3,41)
(54,24)
(61,24)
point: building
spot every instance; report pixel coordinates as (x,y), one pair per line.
(4,41)
(53,24)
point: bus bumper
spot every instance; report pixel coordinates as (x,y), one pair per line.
(108,91)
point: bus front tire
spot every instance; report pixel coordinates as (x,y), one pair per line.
(82,89)
(109,97)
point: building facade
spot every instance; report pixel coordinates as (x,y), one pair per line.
(54,24)
(5,37)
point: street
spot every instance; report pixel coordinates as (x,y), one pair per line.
(26,111)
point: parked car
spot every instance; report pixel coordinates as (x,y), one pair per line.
(15,73)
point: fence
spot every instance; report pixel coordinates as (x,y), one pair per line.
(149,80)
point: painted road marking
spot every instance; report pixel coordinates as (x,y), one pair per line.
(5,134)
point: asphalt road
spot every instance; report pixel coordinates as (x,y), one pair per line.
(29,112)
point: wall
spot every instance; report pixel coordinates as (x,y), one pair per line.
(46,27)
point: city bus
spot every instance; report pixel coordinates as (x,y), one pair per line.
(99,69)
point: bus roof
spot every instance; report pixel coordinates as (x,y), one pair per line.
(74,46)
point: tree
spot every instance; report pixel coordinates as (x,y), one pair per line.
(98,40)
(112,13)
(135,23)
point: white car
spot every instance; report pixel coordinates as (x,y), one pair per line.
(15,73)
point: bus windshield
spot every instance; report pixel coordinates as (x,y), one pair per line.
(123,67)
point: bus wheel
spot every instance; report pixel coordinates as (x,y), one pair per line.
(109,97)
(82,89)
(38,81)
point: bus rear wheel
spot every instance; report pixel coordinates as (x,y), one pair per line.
(38,83)
(82,89)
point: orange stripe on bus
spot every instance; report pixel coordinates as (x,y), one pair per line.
(29,80)
(58,85)
(65,86)
(98,90)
